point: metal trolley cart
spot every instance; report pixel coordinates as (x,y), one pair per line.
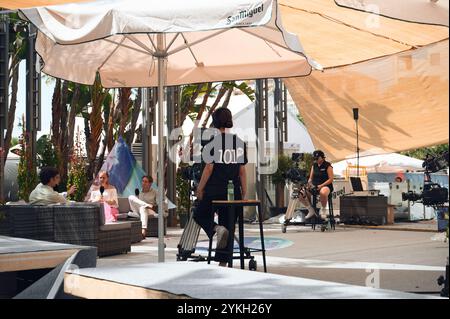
(188,241)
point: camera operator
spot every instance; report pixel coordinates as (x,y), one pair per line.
(225,157)
(320,180)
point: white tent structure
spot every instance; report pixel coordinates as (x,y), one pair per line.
(243,110)
(298,140)
(385,163)
(132,43)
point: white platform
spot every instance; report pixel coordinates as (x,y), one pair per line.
(17,254)
(203,281)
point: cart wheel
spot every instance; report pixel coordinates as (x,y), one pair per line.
(323,228)
(252,264)
(283,228)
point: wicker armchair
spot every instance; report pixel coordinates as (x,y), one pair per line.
(78,224)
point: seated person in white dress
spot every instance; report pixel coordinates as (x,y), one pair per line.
(144,204)
(44,193)
(105,193)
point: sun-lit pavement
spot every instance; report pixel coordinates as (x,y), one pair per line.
(402,260)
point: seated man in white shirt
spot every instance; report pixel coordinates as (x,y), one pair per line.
(44,193)
(144,204)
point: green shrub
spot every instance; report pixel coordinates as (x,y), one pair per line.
(78,173)
(46,152)
(27,178)
(284,164)
(182,190)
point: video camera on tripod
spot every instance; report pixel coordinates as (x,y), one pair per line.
(295,174)
(193,173)
(433,194)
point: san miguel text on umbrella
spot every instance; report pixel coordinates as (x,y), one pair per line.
(245,14)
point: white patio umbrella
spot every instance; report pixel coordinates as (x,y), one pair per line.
(132,43)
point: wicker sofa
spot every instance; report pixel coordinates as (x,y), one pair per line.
(78,224)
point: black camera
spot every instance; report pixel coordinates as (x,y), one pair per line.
(434,164)
(192,173)
(202,136)
(297,157)
(433,194)
(411,196)
(296,174)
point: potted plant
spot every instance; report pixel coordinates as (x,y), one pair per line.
(183,196)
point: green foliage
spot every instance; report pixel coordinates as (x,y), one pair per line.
(300,118)
(284,163)
(78,173)
(182,190)
(307,162)
(421,153)
(18,33)
(243,87)
(14,141)
(46,152)
(27,178)
(189,90)
(447,230)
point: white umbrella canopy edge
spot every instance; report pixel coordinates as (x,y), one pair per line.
(75,23)
(205,56)
(158,47)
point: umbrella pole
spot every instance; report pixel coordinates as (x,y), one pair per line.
(161,68)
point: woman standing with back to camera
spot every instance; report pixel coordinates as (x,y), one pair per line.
(225,157)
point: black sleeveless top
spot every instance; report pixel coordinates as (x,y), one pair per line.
(228,152)
(320,174)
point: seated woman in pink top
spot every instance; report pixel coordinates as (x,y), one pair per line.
(107,194)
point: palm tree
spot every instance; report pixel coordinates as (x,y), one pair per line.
(17,48)
(190,94)
(95,124)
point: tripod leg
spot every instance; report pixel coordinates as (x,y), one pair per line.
(291,209)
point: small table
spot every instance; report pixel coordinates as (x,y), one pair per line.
(231,205)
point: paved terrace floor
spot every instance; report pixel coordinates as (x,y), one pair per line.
(409,259)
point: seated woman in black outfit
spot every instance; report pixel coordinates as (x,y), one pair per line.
(321,177)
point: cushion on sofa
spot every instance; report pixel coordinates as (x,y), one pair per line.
(80,205)
(115,226)
(124,205)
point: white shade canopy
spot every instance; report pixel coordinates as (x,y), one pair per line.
(204,41)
